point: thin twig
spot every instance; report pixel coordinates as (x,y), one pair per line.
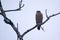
(20,6)
(46,13)
(54,15)
(43,29)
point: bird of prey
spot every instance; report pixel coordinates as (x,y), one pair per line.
(39,18)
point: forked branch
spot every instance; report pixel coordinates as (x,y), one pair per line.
(20,6)
(41,23)
(8,21)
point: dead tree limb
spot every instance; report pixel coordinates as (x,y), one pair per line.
(17,29)
(8,21)
(41,23)
(20,6)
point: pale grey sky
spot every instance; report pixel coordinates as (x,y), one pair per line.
(26,19)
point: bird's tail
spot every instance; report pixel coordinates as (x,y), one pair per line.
(38,27)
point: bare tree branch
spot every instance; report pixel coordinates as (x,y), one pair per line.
(46,13)
(41,24)
(29,30)
(54,15)
(20,6)
(17,29)
(8,21)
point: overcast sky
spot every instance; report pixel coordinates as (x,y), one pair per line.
(26,19)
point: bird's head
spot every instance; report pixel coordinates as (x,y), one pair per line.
(38,11)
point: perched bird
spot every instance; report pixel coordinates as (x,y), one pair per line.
(39,18)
